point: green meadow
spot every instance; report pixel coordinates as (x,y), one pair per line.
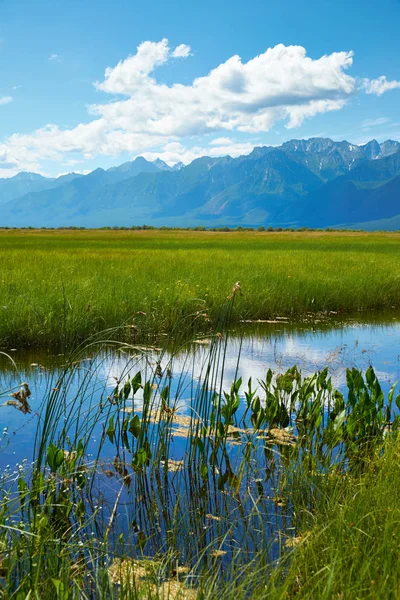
(57,288)
(275,488)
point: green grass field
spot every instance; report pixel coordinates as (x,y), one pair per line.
(59,287)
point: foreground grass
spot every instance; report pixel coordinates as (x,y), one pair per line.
(349,541)
(57,288)
(347,545)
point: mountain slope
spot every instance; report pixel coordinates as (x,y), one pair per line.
(260,184)
(331,159)
(61,204)
(133,168)
(316,182)
(376,170)
(344,203)
(24,183)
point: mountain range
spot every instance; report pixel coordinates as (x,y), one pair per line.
(312,183)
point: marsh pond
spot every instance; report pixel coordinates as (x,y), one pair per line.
(184,448)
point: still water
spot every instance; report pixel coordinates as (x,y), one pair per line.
(277,346)
(212,516)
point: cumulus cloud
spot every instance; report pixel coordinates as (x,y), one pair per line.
(54,58)
(181,51)
(379,86)
(281,83)
(145,115)
(6,99)
(133,72)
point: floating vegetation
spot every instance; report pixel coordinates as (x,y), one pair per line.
(293,541)
(213,517)
(20,399)
(141,577)
(271,321)
(218,553)
(202,342)
(282,437)
(173,465)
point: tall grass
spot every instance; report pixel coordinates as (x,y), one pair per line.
(348,535)
(345,539)
(59,288)
(245,505)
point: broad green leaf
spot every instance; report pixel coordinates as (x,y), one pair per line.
(339,420)
(55,457)
(136,383)
(134,426)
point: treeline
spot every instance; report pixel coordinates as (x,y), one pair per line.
(262,228)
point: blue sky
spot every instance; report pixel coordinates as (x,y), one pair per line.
(210,77)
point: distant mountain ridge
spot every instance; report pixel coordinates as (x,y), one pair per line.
(315,182)
(24,183)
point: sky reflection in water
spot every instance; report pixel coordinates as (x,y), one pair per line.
(357,345)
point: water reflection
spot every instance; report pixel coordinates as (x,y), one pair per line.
(92,380)
(311,349)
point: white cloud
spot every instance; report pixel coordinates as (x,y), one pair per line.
(379,86)
(76,171)
(181,51)
(133,72)
(368,123)
(222,141)
(176,152)
(6,99)
(54,58)
(281,84)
